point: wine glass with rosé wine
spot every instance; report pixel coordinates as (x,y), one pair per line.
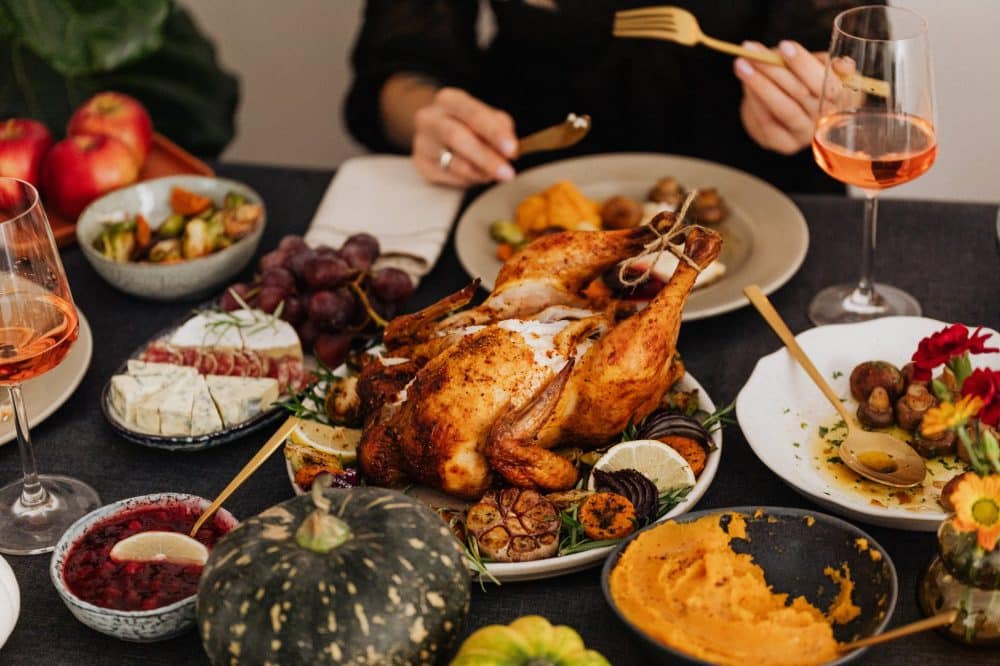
(875,130)
(38,326)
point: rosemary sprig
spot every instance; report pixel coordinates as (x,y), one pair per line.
(719,418)
(478,562)
(310,402)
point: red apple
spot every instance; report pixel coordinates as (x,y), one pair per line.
(118,115)
(23,144)
(81,168)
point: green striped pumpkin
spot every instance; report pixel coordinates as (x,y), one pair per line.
(359,576)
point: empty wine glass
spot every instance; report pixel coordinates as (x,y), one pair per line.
(875,130)
(38,325)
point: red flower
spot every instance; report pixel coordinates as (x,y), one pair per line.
(940,347)
(985,384)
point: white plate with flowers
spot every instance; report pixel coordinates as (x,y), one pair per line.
(795,432)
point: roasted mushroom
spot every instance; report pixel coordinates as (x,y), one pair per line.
(912,406)
(343,405)
(866,376)
(708,207)
(932,447)
(514,525)
(909,375)
(876,411)
(621,212)
(668,191)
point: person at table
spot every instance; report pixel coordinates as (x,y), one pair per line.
(423,85)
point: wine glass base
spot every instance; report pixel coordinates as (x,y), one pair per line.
(28,530)
(843,304)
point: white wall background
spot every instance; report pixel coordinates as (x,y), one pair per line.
(292,58)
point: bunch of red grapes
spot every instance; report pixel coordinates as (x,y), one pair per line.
(328,295)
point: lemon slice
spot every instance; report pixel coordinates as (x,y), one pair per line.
(666,468)
(341,442)
(160,547)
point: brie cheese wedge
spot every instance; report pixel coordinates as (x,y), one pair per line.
(241,398)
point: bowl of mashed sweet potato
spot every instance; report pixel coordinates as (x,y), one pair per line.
(747,585)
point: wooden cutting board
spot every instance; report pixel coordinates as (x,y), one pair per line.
(165,158)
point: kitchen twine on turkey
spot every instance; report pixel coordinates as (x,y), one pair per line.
(662,243)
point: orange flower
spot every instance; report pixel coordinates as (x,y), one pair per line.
(947,416)
(977,508)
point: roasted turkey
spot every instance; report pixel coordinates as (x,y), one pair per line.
(463,396)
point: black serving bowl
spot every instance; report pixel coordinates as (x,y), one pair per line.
(793,546)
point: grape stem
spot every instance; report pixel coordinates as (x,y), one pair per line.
(360,293)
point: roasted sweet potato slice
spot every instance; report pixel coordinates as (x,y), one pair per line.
(143,232)
(186,202)
(690,449)
(607,516)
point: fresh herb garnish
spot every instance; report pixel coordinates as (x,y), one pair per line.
(719,418)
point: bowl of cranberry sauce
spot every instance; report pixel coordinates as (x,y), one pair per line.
(132,600)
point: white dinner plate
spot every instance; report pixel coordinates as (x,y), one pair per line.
(509,572)
(765,236)
(10,601)
(779,407)
(44,395)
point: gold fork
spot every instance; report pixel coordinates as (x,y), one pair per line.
(674,24)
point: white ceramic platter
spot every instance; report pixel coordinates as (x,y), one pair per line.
(509,572)
(45,394)
(765,236)
(779,407)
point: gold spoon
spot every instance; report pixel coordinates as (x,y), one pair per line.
(175,547)
(873,455)
(270,446)
(932,622)
(567,133)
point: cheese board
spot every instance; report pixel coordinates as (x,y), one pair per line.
(212,378)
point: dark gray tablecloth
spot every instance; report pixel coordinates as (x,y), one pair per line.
(944,254)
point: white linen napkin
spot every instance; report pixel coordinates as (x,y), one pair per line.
(386,197)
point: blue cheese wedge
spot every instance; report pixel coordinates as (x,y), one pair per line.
(205,416)
(241,398)
(126,392)
(143,379)
(169,409)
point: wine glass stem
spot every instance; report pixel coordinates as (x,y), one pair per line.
(864,293)
(32,491)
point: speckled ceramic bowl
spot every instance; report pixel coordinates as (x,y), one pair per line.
(139,626)
(191,279)
(793,546)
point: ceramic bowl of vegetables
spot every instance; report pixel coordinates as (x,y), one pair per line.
(177,237)
(111,570)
